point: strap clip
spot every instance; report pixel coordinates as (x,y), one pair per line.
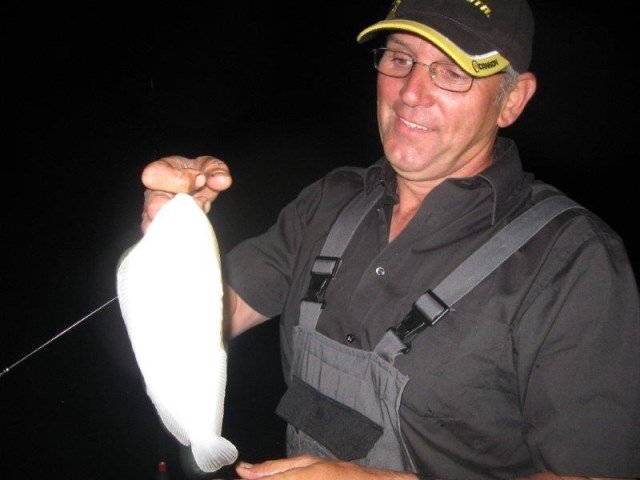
(323,271)
(426,312)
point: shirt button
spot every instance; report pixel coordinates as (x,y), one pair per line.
(350,337)
(380,271)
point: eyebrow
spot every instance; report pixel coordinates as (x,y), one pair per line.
(391,39)
(400,43)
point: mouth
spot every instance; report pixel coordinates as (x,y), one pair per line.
(414,126)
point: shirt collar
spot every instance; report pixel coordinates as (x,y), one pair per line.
(503,176)
(381,173)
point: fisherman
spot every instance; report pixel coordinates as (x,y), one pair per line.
(534,372)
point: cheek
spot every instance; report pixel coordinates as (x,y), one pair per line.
(383,114)
(386,97)
(388,90)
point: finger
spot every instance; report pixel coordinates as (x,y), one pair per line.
(146,221)
(272,467)
(154,200)
(250,471)
(173,174)
(216,171)
(218,179)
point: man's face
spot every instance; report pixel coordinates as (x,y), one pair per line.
(429,133)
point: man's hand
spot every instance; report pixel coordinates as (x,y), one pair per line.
(308,467)
(203,177)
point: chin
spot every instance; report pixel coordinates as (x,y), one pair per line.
(406,166)
(403,157)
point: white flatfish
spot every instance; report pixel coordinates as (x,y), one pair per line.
(170,293)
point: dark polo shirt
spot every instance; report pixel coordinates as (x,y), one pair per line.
(537,368)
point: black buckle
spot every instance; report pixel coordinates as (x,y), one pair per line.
(426,312)
(324,269)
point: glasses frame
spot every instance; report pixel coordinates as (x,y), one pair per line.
(432,73)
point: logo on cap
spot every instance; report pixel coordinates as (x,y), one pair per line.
(394,7)
(477,66)
(484,8)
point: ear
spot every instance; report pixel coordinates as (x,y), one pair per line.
(517,99)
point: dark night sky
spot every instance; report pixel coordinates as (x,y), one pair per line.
(94,92)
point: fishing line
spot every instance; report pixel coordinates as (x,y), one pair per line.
(70,327)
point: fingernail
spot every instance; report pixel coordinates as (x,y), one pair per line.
(200,181)
(245,465)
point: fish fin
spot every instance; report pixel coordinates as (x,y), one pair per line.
(214,453)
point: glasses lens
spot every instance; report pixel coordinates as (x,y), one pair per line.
(449,76)
(392,63)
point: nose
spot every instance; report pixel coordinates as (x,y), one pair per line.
(418,87)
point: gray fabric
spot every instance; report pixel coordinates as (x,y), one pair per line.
(339,236)
(347,433)
(348,222)
(493,253)
(325,265)
(359,380)
(389,347)
(309,313)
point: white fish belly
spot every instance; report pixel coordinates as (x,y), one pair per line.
(170,294)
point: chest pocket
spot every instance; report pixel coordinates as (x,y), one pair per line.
(347,433)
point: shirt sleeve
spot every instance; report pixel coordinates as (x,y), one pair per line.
(260,269)
(578,358)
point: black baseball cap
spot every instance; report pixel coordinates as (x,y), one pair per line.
(483,37)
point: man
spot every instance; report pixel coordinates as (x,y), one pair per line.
(532,373)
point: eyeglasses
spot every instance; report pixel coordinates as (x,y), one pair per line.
(447,76)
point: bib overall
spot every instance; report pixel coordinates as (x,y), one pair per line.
(343,402)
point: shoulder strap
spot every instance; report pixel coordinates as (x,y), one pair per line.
(436,303)
(326,264)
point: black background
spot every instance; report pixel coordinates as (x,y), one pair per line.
(283,93)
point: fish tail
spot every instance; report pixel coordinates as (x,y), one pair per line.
(213,454)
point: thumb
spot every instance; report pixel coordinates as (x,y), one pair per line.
(272,467)
(259,470)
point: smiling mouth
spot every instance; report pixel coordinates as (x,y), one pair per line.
(414,126)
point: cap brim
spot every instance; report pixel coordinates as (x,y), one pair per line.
(483,65)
